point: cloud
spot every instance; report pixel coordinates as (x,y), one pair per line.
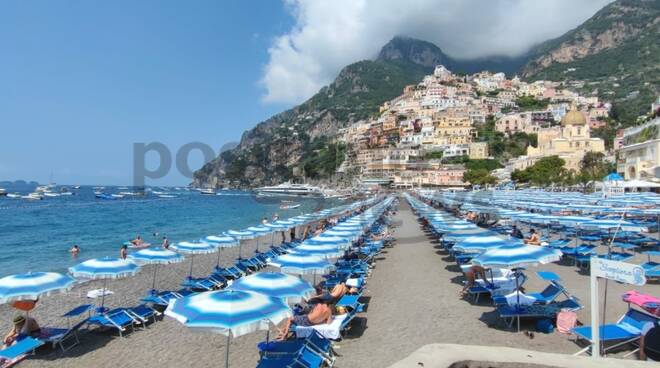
(328,35)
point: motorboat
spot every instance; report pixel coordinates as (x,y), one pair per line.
(14,195)
(3,192)
(34,196)
(290,190)
(50,194)
(207,191)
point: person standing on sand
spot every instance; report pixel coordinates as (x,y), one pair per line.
(75,250)
(123,252)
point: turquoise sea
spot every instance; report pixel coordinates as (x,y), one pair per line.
(36,235)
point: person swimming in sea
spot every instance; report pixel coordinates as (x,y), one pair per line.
(137,241)
(166,243)
(75,250)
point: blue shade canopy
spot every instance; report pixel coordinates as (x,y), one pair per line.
(155,256)
(32,285)
(195,247)
(228,312)
(241,234)
(514,256)
(478,244)
(320,250)
(299,264)
(222,241)
(613,177)
(291,289)
(105,268)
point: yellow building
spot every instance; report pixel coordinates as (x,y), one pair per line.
(570,142)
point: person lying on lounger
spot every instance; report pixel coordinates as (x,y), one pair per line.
(533,239)
(320,314)
(23,326)
(335,294)
(471,276)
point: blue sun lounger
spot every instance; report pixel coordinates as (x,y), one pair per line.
(626,330)
(547,295)
(651,268)
(163,298)
(60,336)
(119,319)
(305,358)
(510,313)
(19,351)
(315,342)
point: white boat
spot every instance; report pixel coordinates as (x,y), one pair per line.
(166,196)
(50,194)
(289,206)
(66,193)
(3,192)
(34,196)
(14,195)
(117,195)
(207,191)
(290,190)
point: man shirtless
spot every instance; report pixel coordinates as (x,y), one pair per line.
(533,239)
(320,314)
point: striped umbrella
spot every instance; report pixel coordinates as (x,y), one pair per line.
(228,312)
(276,284)
(478,244)
(329,240)
(299,264)
(193,248)
(241,235)
(517,256)
(156,257)
(222,241)
(261,231)
(32,285)
(320,250)
(104,268)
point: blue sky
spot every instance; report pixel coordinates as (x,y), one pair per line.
(81,81)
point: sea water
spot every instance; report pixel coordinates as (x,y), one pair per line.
(37,235)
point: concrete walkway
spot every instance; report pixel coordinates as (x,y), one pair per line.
(414,302)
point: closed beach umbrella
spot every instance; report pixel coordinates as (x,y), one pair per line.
(193,248)
(228,312)
(155,256)
(32,285)
(299,264)
(104,268)
(276,284)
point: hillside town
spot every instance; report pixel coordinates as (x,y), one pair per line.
(425,136)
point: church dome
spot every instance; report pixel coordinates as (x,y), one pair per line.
(573,117)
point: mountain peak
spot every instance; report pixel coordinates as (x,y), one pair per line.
(408,49)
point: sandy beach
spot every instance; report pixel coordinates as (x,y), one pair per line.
(413,296)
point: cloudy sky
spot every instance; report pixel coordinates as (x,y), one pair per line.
(82,81)
(327,35)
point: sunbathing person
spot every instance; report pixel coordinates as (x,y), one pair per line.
(335,294)
(320,314)
(471,276)
(533,239)
(23,326)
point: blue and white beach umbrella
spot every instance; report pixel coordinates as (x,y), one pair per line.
(156,257)
(242,235)
(299,264)
(32,285)
(228,312)
(516,256)
(329,240)
(478,244)
(276,284)
(319,250)
(193,248)
(104,268)
(222,241)
(261,231)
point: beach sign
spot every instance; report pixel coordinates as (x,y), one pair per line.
(626,273)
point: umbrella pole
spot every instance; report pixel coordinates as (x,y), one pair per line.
(240,247)
(227,352)
(218,265)
(153,284)
(192,259)
(517,301)
(258,237)
(105,282)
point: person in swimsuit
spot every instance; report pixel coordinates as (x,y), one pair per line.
(137,241)
(123,252)
(533,239)
(75,250)
(320,314)
(23,326)
(166,243)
